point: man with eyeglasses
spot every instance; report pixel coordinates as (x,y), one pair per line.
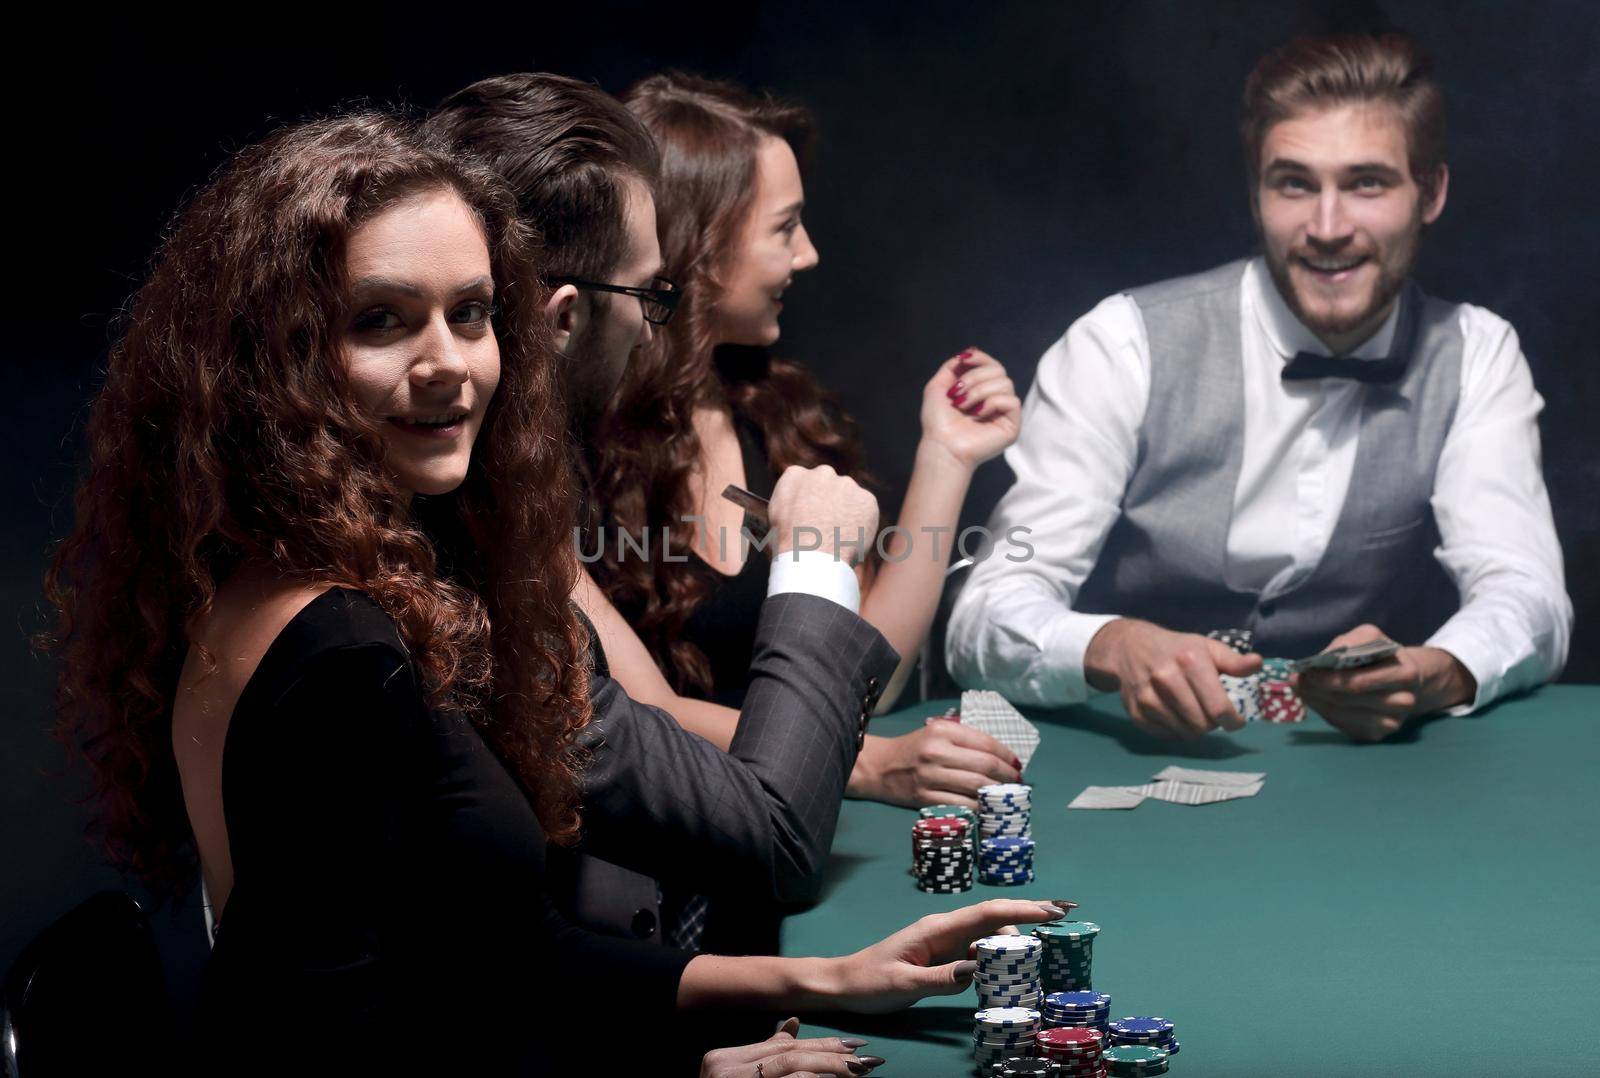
(1300,444)
(755,822)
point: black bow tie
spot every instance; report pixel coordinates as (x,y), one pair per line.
(1306,366)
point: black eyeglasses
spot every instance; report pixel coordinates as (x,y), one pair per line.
(658,301)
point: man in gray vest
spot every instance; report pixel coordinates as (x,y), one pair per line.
(1301,444)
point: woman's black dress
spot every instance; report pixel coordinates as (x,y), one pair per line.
(388,906)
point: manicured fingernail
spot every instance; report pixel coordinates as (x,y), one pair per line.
(959,387)
(965,354)
(873,1061)
(960,398)
(1064,903)
(853,1043)
(790,1026)
(857,1066)
(1051,909)
(965,970)
(1016,763)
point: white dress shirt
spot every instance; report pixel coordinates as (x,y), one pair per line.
(1013,628)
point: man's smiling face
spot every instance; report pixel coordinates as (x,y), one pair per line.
(1341,216)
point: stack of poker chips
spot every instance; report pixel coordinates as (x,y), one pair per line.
(931,812)
(1008,972)
(941,855)
(1079,1010)
(1267,696)
(1240,640)
(1002,1033)
(1243,692)
(1005,847)
(1077,1050)
(1135,1061)
(1067,964)
(1006,861)
(1279,701)
(1144,1032)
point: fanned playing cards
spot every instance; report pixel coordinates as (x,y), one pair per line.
(990,713)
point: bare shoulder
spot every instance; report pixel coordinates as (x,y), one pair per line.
(227,645)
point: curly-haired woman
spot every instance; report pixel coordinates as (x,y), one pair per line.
(314,629)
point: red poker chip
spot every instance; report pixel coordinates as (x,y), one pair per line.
(1068,1037)
(939,825)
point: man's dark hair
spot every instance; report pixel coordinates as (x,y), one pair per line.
(1338,69)
(567,148)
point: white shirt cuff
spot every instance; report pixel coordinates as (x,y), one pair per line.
(1060,674)
(1482,659)
(815,572)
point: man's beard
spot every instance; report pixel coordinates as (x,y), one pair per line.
(588,381)
(1394,267)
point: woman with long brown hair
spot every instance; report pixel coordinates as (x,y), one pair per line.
(314,632)
(708,404)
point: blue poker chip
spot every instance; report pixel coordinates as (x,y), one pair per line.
(1148,1024)
(1009,843)
(1096,999)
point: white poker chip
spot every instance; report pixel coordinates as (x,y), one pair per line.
(1006,1016)
(1017,944)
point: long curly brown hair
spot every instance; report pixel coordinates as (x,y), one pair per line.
(642,457)
(226,431)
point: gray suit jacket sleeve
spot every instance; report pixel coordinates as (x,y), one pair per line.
(760,817)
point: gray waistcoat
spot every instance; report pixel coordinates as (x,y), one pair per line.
(1165,556)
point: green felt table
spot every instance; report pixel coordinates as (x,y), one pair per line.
(1423,906)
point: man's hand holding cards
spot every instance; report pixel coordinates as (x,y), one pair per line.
(1371,702)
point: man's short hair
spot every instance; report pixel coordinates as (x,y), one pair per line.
(1320,71)
(567,148)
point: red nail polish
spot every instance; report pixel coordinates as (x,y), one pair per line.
(1016,763)
(959,398)
(965,355)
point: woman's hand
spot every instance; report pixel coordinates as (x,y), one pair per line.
(781,1055)
(928,958)
(943,763)
(970,408)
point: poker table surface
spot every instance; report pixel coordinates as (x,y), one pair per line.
(1427,905)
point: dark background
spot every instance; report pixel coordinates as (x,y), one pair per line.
(983,178)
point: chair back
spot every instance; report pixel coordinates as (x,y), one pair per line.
(87,996)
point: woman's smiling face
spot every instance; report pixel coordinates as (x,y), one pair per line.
(772,248)
(421,348)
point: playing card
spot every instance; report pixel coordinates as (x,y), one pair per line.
(990,713)
(1189,793)
(1108,797)
(1199,777)
(1346,658)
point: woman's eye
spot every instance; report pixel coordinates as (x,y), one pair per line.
(377,319)
(474,313)
(789,226)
